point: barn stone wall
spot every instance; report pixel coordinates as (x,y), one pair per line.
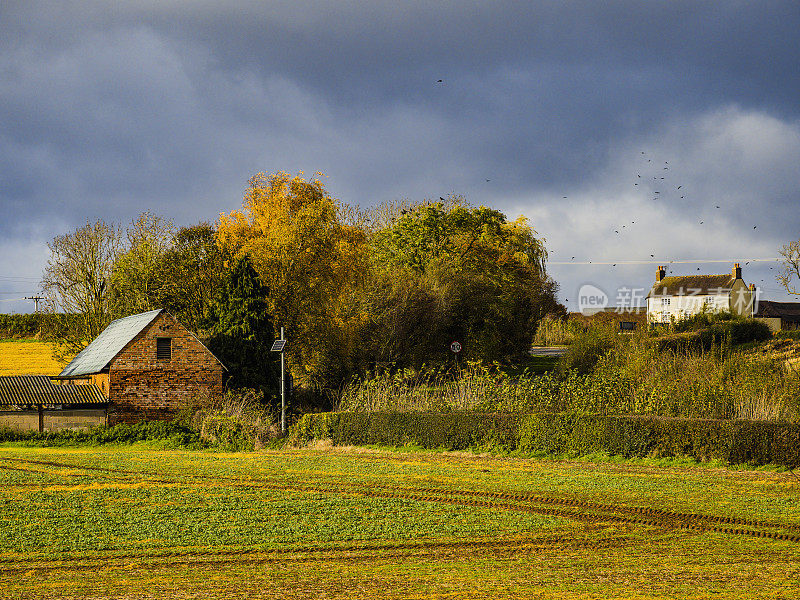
(141,386)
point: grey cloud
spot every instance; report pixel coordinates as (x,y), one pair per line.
(107,110)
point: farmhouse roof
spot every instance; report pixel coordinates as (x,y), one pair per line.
(693,285)
(105,347)
(789,311)
(38,389)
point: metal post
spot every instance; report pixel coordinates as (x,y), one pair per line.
(283,388)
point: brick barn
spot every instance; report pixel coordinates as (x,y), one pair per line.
(147,366)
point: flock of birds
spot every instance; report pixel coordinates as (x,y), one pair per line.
(653,179)
(646,182)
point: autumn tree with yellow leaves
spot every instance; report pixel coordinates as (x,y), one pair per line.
(309,258)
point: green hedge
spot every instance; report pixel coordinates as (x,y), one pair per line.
(735,442)
(175,434)
(50,325)
(738,331)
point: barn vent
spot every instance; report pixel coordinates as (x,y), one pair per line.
(163,348)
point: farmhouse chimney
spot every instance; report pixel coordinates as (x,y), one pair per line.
(660,273)
(736,271)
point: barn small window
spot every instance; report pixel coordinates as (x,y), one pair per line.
(163,348)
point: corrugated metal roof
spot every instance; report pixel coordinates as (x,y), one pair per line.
(38,389)
(691,285)
(96,356)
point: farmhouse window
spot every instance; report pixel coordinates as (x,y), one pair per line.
(163,348)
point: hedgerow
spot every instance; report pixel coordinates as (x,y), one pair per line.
(734,442)
(174,434)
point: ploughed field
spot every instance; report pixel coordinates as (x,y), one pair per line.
(138,522)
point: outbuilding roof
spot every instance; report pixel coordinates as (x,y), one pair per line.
(97,355)
(21,390)
(693,285)
(788,311)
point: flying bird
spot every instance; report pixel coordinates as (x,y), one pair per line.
(754,226)
(680,186)
(439,81)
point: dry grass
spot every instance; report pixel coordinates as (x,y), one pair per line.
(28,357)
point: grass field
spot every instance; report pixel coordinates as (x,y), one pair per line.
(27,357)
(145,523)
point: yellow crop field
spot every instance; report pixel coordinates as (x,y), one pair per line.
(27,357)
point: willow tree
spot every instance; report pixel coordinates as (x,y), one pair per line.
(308,257)
(486,274)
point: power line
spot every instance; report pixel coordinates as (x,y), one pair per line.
(661,261)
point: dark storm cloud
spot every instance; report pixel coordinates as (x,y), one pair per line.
(108,109)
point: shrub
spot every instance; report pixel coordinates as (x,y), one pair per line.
(586,349)
(235,422)
(793,334)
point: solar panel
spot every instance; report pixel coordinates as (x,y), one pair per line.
(278,345)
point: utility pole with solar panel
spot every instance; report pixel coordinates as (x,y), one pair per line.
(279,346)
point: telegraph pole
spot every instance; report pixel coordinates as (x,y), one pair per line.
(36,300)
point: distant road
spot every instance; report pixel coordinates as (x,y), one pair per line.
(548,350)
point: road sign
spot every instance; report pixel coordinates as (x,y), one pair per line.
(455,347)
(278,346)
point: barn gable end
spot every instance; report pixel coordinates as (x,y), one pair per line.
(151,382)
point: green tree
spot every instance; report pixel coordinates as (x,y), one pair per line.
(242,331)
(487,275)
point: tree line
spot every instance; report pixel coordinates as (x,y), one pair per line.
(355,289)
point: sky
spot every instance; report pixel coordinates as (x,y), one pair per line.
(630,134)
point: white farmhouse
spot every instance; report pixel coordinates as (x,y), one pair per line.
(681,297)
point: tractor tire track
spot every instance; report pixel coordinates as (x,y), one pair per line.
(581,510)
